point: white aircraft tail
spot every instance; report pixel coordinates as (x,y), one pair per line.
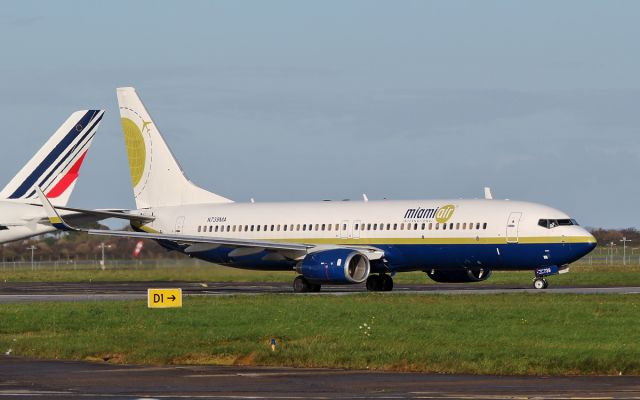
(158,179)
(55,167)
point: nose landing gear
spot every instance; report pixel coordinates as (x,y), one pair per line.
(539,281)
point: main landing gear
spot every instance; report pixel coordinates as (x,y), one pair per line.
(380,283)
(301,285)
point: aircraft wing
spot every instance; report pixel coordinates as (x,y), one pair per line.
(203,243)
(96,215)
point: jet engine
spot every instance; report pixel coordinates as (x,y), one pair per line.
(459,276)
(338,266)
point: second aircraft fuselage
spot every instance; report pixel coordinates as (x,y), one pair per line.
(414,235)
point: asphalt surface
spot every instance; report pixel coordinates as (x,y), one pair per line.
(35,379)
(13,292)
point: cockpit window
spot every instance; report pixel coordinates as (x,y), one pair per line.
(552,223)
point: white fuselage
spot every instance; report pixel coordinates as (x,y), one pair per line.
(413,234)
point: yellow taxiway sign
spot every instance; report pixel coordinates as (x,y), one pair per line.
(164,298)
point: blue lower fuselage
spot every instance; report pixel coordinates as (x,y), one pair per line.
(411,257)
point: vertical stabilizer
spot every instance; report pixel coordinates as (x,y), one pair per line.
(157,178)
(55,167)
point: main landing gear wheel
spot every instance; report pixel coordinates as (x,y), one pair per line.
(301,285)
(540,283)
(379,283)
(387,283)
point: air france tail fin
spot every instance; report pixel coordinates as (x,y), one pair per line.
(158,179)
(55,167)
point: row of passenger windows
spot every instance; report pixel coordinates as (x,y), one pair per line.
(336,227)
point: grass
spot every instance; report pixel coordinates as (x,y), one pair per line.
(508,334)
(581,275)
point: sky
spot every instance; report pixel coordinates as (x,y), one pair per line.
(301,100)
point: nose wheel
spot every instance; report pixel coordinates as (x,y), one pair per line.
(540,283)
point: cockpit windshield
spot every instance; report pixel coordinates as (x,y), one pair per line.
(552,223)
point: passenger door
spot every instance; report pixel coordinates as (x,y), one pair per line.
(513,224)
(179,224)
(344,230)
(356,229)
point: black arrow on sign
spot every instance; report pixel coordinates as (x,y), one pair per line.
(172,298)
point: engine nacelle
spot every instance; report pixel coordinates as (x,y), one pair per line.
(335,266)
(459,276)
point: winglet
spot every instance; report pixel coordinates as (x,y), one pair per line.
(487,193)
(52,214)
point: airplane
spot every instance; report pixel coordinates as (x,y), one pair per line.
(54,168)
(343,242)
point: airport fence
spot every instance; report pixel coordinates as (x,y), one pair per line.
(78,265)
(87,265)
(612,255)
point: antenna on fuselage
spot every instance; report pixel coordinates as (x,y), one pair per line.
(364,197)
(253,200)
(487,193)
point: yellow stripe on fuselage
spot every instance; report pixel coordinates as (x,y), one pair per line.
(427,240)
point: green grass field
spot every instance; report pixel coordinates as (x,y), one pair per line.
(580,275)
(491,334)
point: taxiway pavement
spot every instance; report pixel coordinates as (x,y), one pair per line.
(38,379)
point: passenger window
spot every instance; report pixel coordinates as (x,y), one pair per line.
(415,227)
(368,227)
(328,227)
(217,227)
(324,226)
(381,227)
(395,227)
(484,226)
(273,228)
(199,228)
(298,227)
(478,225)
(464,225)
(451,225)
(402,226)
(375,226)
(430,225)
(344,227)
(228,228)
(457,225)
(424,226)
(252,228)
(337,227)
(388,227)
(356,227)
(444,226)
(437,225)
(278,227)
(304,227)
(258,228)
(285,227)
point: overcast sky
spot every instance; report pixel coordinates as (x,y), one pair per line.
(301,100)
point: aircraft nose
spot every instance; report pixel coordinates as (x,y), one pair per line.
(591,242)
